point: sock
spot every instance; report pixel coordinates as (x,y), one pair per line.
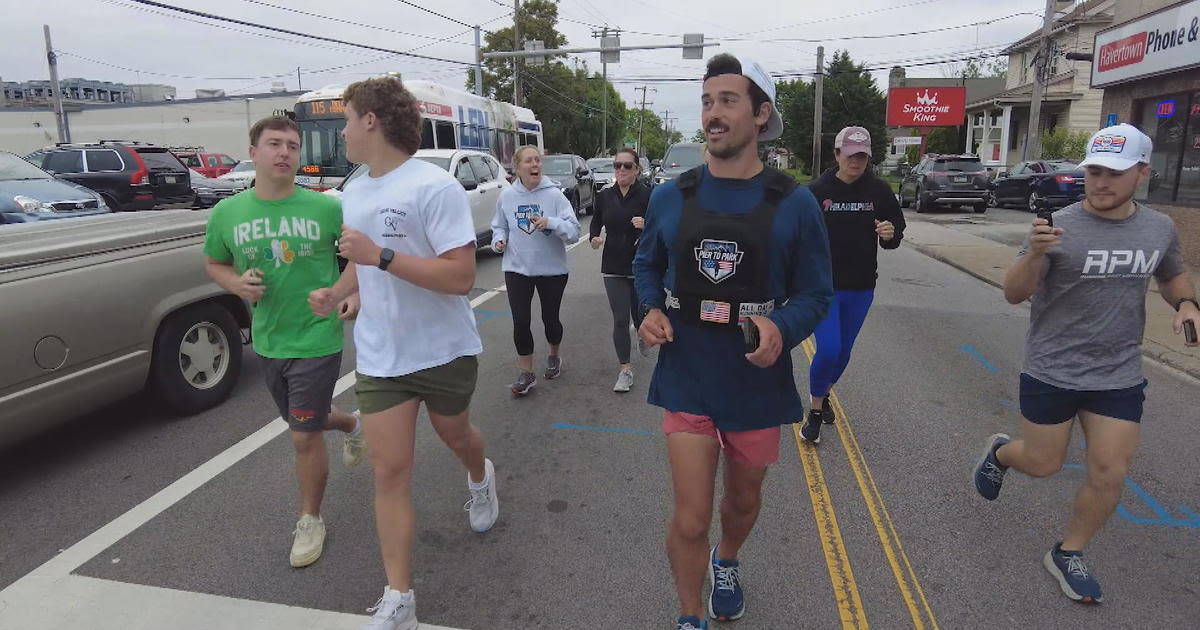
(406,597)
(481,485)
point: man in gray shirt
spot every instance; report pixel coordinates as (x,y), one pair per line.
(1087,272)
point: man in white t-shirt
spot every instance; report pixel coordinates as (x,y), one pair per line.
(411,246)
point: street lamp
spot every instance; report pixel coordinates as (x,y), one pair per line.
(248,99)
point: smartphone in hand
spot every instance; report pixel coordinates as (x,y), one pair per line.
(749,334)
(1048,216)
(1189,331)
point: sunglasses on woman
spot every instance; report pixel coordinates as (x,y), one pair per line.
(624,165)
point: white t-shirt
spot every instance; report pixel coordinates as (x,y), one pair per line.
(417,209)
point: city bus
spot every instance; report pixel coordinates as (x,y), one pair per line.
(450,119)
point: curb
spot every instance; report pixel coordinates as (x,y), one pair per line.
(1151,349)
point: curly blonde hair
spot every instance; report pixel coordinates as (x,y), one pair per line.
(393,105)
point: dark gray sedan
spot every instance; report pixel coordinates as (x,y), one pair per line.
(27,194)
(210,190)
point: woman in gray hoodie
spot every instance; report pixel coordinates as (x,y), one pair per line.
(532,226)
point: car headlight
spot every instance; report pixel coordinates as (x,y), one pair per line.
(204,191)
(31,205)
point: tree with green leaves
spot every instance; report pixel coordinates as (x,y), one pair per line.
(655,138)
(1062,143)
(538,20)
(851,98)
(699,136)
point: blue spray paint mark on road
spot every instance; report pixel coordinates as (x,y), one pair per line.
(979,357)
(582,427)
(1008,403)
(1164,515)
(482,315)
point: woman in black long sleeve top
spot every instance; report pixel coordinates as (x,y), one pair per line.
(621,212)
(861,215)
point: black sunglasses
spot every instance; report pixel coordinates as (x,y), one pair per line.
(625,165)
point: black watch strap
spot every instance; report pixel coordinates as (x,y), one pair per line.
(385,258)
(1179,303)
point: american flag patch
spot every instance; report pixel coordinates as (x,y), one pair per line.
(716,312)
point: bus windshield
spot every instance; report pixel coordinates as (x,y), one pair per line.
(322,150)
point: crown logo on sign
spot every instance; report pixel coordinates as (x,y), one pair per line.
(926,99)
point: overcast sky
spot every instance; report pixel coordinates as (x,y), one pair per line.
(97,36)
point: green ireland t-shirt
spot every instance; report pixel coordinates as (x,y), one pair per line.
(292,241)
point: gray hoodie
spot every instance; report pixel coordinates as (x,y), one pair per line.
(530,252)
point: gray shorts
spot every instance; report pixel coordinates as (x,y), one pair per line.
(303,389)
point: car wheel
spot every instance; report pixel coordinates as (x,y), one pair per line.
(980,208)
(920,202)
(1035,202)
(111,202)
(197,358)
(992,202)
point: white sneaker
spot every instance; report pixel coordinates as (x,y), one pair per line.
(624,381)
(353,444)
(309,540)
(393,611)
(484,504)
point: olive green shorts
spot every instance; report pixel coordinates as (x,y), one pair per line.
(446,389)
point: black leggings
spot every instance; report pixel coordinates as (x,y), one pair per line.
(622,299)
(520,300)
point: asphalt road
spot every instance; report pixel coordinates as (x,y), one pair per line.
(876,527)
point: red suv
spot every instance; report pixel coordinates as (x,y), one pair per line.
(210,164)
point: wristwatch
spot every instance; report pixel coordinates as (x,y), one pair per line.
(385,258)
(1179,303)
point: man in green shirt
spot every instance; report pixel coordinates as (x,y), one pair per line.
(272,245)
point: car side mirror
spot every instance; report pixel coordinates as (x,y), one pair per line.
(469,185)
(581,173)
(655,163)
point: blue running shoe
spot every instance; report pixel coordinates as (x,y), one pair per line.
(1072,574)
(725,602)
(690,623)
(989,473)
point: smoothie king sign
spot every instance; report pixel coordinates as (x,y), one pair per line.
(1164,41)
(926,106)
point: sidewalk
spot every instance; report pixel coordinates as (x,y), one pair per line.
(988,260)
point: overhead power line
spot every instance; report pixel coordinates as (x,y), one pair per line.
(432,12)
(277,29)
(350,22)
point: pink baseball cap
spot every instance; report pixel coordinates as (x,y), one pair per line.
(852,140)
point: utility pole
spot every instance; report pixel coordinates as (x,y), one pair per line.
(602,34)
(642,115)
(55,88)
(1042,63)
(478,65)
(818,109)
(667,125)
(517,100)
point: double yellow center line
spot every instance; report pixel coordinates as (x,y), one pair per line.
(845,588)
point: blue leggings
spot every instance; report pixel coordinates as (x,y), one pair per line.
(835,338)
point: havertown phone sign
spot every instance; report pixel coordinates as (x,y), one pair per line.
(1164,41)
(926,106)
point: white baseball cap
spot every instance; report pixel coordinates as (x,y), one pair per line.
(1120,147)
(758,75)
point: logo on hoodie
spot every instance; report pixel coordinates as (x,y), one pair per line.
(718,259)
(526,215)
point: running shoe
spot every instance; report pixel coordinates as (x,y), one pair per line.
(725,602)
(524,383)
(810,431)
(484,504)
(691,623)
(308,541)
(393,611)
(553,367)
(989,472)
(624,381)
(1072,574)
(827,411)
(353,444)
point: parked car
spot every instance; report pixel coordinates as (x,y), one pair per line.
(242,174)
(646,168)
(208,164)
(680,158)
(480,174)
(210,190)
(602,171)
(1038,185)
(575,179)
(27,194)
(946,180)
(100,309)
(128,175)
